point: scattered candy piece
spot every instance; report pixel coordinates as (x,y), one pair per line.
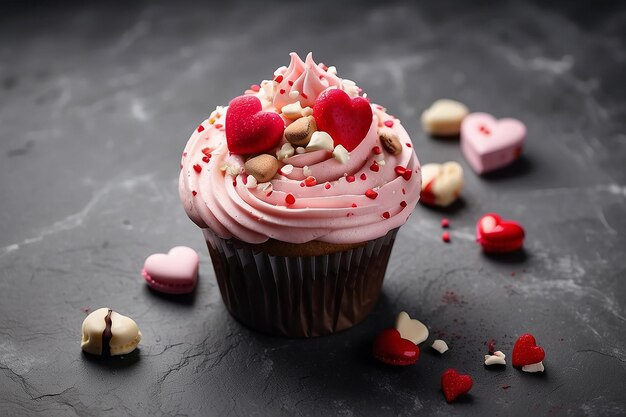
(440,346)
(174,273)
(526,351)
(262,167)
(445,223)
(292,111)
(498,358)
(441,183)
(250,130)
(445,236)
(392,349)
(299,132)
(347,120)
(454,384)
(489,144)
(390,141)
(108,333)
(535,367)
(498,236)
(411,329)
(286,151)
(444,117)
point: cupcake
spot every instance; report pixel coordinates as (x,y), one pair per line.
(299,186)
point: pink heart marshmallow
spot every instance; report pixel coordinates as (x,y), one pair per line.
(174,273)
(488,143)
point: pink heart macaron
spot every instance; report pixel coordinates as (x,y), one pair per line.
(173,273)
(488,143)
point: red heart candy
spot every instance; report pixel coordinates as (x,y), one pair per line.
(250,130)
(346,120)
(454,384)
(392,349)
(496,235)
(526,351)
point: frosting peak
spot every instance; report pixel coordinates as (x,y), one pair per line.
(302,81)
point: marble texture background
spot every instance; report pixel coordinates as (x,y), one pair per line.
(97,101)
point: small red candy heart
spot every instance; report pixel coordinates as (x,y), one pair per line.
(346,120)
(454,384)
(250,130)
(392,349)
(526,351)
(497,236)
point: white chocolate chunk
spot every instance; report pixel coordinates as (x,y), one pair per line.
(264,186)
(498,358)
(350,87)
(300,150)
(292,111)
(307,111)
(440,346)
(287,169)
(294,94)
(411,329)
(320,141)
(332,70)
(444,117)
(251,182)
(306,171)
(341,154)
(534,367)
(286,151)
(443,182)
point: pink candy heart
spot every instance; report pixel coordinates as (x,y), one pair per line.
(488,143)
(174,273)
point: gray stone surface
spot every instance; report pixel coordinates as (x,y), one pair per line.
(97,101)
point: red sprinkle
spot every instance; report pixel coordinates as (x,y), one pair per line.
(506,386)
(445,222)
(491,346)
(324,67)
(304,95)
(235,182)
(400,170)
(386,215)
(445,237)
(327,185)
(389,123)
(377,150)
(278,79)
(290,82)
(206,159)
(407,174)
(374,167)
(184,154)
(369,193)
(268,194)
(218,125)
(194,193)
(403,204)
(353,205)
(255,87)
(408,144)
(363,176)
(290,199)
(207,152)
(350,178)
(197,168)
(302,184)
(200,128)
(403,191)
(282,91)
(310,181)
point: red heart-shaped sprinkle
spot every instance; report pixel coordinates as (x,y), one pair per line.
(454,384)
(496,235)
(346,120)
(250,130)
(392,349)
(526,351)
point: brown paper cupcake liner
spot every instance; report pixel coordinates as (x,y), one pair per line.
(299,296)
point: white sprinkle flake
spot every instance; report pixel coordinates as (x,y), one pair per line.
(264,186)
(285,151)
(307,171)
(293,111)
(440,346)
(300,150)
(294,94)
(332,70)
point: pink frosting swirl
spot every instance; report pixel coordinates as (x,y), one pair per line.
(351,202)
